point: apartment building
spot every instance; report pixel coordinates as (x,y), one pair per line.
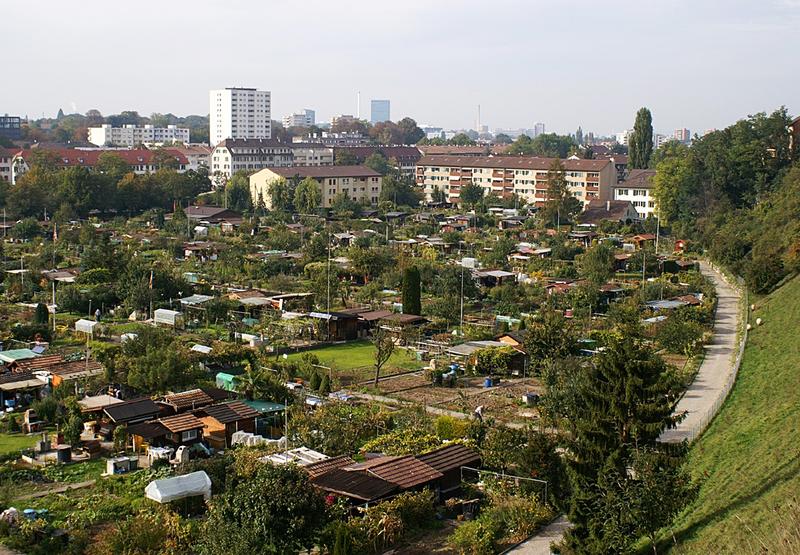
(303,118)
(10,127)
(334,139)
(6,156)
(133,135)
(140,161)
(638,189)
(506,175)
(239,113)
(232,155)
(311,154)
(198,156)
(360,183)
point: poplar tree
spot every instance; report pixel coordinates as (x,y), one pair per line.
(640,143)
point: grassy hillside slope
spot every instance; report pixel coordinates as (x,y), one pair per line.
(749,459)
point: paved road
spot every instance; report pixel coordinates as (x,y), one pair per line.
(700,398)
(709,386)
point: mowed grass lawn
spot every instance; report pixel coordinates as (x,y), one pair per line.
(355,360)
(10,443)
(748,461)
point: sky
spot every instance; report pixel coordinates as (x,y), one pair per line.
(700,64)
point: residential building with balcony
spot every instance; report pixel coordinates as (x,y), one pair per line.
(360,183)
(239,113)
(134,135)
(503,176)
(232,155)
(311,154)
(637,188)
(304,118)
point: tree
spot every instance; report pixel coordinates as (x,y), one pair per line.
(560,205)
(307,196)
(502,139)
(411,131)
(237,191)
(378,162)
(640,143)
(597,264)
(399,190)
(42,315)
(625,403)
(471,194)
(384,347)
(73,430)
(345,207)
(281,195)
(550,337)
(412,303)
(277,510)
(344,157)
(462,139)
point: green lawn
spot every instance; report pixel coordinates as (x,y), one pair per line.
(747,461)
(355,360)
(14,442)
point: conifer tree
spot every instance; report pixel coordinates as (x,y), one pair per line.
(624,405)
(412,303)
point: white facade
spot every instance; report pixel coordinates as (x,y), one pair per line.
(232,155)
(638,189)
(623,136)
(239,114)
(304,118)
(132,135)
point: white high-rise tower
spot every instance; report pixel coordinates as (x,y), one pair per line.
(239,113)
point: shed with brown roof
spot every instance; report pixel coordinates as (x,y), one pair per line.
(406,471)
(223,420)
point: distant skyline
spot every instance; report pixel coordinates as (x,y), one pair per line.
(699,64)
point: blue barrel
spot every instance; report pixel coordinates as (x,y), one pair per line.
(487,382)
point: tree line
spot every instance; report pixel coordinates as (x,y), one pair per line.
(735,191)
(74,192)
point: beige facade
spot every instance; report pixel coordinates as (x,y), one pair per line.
(360,183)
(311,154)
(521,175)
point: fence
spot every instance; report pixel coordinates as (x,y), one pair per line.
(736,283)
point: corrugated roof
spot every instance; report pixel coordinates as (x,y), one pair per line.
(323,467)
(181,423)
(450,457)
(230,412)
(132,410)
(356,485)
(407,472)
(194,398)
(147,430)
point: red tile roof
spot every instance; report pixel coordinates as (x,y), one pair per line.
(88,158)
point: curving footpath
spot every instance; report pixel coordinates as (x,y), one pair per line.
(701,400)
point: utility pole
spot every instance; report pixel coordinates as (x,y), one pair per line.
(461,321)
(54,306)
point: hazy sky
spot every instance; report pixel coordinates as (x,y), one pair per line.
(695,63)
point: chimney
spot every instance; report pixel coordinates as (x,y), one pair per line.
(608,206)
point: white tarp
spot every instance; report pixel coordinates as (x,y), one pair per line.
(86,326)
(169,317)
(179,487)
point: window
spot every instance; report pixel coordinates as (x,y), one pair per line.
(189,435)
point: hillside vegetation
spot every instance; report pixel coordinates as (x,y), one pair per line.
(748,459)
